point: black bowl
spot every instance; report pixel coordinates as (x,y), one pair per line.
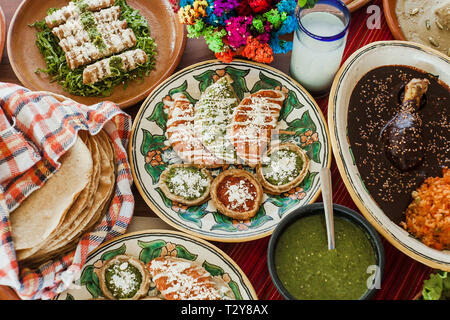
(341,212)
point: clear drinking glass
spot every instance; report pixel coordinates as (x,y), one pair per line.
(319,43)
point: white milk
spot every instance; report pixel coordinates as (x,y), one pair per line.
(314,63)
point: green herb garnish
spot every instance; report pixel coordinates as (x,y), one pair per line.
(72,80)
(90,26)
(82,6)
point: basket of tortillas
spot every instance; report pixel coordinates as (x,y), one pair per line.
(69,191)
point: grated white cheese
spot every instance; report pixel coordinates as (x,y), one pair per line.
(212,117)
(282,167)
(123,281)
(184,280)
(187,183)
(238,194)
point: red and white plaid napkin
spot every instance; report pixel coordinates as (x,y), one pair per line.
(35,130)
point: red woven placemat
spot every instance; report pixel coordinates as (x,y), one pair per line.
(403,276)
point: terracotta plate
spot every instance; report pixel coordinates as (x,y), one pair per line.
(391,19)
(149,244)
(25,57)
(2,32)
(354,5)
(150,152)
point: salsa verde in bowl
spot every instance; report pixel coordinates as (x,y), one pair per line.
(302,267)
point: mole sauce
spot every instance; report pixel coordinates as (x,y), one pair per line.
(374,101)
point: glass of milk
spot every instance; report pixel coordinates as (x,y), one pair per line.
(319,43)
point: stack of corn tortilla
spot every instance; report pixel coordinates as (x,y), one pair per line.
(51,221)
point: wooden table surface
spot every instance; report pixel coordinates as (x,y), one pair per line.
(403,276)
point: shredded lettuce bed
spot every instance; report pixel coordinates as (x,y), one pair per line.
(72,80)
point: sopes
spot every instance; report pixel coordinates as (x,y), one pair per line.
(219,132)
(125,277)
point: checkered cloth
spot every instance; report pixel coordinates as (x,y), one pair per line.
(35,130)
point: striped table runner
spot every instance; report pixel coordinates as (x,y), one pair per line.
(403,276)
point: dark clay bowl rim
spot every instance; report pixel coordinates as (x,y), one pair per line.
(317,208)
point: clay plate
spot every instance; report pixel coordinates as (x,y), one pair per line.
(25,57)
(363,60)
(2,32)
(354,5)
(391,19)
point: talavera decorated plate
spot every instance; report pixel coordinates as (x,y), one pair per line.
(150,152)
(149,244)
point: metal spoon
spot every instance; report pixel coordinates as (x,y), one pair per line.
(325,179)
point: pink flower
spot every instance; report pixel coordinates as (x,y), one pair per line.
(238,30)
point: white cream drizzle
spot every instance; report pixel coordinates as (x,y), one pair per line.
(212,117)
(185,280)
(252,124)
(180,132)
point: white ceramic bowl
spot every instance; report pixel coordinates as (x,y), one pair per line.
(355,67)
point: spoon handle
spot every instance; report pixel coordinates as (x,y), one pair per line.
(325,178)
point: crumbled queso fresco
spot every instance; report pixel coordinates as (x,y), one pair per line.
(123,279)
(238,194)
(282,167)
(188,183)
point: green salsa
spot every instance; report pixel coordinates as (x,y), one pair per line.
(116,64)
(123,280)
(309,271)
(189,183)
(282,167)
(81,5)
(89,25)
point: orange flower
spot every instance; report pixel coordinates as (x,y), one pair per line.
(169,249)
(226,56)
(219,74)
(296,193)
(226,277)
(154,158)
(177,207)
(257,51)
(241,225)
(282,89)
(309,138)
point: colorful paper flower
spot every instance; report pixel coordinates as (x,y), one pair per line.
(252,29)
(214,39)
(189,13)
(275,17)
(197,29)
(265,36)
(289,25)
(243,9)
(257,51)
(238,30)
(259,6)
(221,6)
(225,56)
(287,6)
(279,46)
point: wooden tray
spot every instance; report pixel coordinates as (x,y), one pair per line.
(391,19)
(25,57)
